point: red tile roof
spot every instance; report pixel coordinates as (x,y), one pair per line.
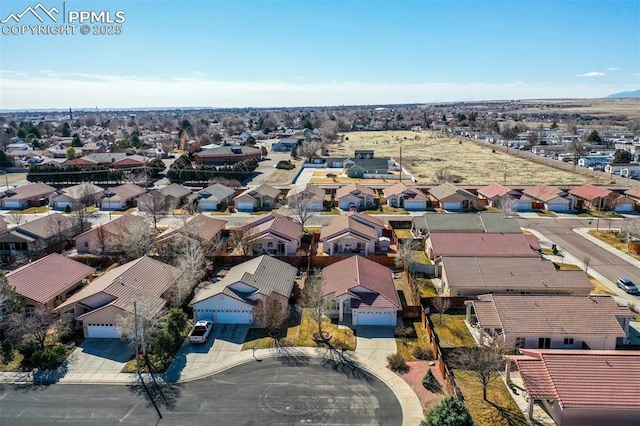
(590,192)
(475,244)
(582,378)
(543,193)
(495,190)
(46,278)
(344,276)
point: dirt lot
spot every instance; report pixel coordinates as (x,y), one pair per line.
(424,153)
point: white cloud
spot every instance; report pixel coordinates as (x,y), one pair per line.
(49,89)
(613,69)
(591,74)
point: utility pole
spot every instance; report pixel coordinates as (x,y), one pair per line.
(400,161)
(135,332)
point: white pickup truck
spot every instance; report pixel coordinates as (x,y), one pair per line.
(200,331)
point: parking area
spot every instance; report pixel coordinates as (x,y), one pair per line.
(375,342)
(95,356)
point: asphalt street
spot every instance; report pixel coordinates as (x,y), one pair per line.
(291,391)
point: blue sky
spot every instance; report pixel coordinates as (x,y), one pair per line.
(298,52)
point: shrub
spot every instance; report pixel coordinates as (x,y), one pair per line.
(397,362)
(449,412)
(430,382)
(422,353)
(49,358)
(27,349)
(404,332)
(285,164)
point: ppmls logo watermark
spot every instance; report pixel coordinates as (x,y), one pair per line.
(40,20)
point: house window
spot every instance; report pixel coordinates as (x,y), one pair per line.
(86,244)
(544,343)
(269,244)
(568,341)
(520,342)
(333,305)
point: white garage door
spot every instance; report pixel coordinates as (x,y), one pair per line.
(103,331)
(376,318)
(202,315)
(247,207)
(451,206)
(232,316)
(415,205)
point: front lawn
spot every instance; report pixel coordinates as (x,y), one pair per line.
(453,332)
(299,334)
(546,213)
(612,239)
(35,210)
(500,409)
(14,363)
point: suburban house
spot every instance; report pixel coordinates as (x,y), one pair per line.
(362,288)
(242,295)
(262,197)
(548,198)
(112,295)
(475,275)
(549,321)
(121,197)
(48,281)
(308,197)
(353,233)
(355,197)
(273,234)
(368,167)
(38,236)
(494,193)
(623,204)
(213,197)
(204,229)
(634,194)
(405,197)
(77,196)
(590,197)
(32,195)
(225,155)
(114,160)
(579,387)
(484,222)
(172,196)
(449,197)
(103,239)
(462,244)
(285,144)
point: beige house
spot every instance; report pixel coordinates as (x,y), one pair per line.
(353,233)
(449,197)
(103,238)
(263,197)
(309,197)
(98,306)
(35,194)
(274,234)
(121,197)
(406,197)
(355,197)
(204,229)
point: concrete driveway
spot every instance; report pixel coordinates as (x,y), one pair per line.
(375,342)
(97,356)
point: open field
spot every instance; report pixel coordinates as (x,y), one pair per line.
(597,107)
(426,152)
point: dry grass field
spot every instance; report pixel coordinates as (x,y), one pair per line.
(629,107)
(426,152)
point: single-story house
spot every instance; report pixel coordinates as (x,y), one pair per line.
(121,197)
(213,197)
(308,197)
(590,197)
(449,197)
(548,198)
(362,288)
(494,193)
(35,194)
(406,197)
(549,321)
(77,196)
(110,296)
(242,295)
(472,276)
(115,160)
(353,233)
(103,238)
(48,281)
(364,167)
(262,197)
(285,144)
(449,244)
(204,229)
(273,234)
(484,222)
(578,387)
(355,196)
(623,204)
(231,154)
(38,236)
(172,196)
(634,194)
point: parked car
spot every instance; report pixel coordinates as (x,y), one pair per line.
(200,331)
(627,285)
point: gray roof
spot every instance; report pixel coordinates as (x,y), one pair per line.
(267,274)
(216,192)
(371,163)
(497,223)
(447,189)
(226,150)
(264,190)
(47,226)
(175,190)
(466,222)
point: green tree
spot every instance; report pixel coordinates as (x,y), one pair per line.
(77,142)
(155,167)
(135,140)
(450,412)
(622,157)
(554,125)
(594,137)
(66,130)
(71,153)
(176,324)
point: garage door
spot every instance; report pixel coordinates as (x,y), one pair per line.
(451,206)
(376,318)
(103,331)
(202,315)
(247,207)
(232,317)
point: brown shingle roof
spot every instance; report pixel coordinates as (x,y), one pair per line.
(342,277)
(46,278)
(29,191)
(590,192)
(633,192)
(495,190)
(476,244)
(47,226)
(447,190)
(354,188)
(399,188)
(283,226)
(314,191)
(123,192)
(582,378)
(543,193)
(344,224)
(551,314)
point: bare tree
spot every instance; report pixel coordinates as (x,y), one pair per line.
(313,298)
(61,228)
(441,305)
(133,240)
(10,302)
(630,231)
(15,217)
(242,239)
(87,197)
(141,328)
(406,258)
(481,362)
(508,205)
(577,147)
(190,261)
(155,205)
(32,324)
(329,131)
(444,175)
(273,315)
(301,206)
(586,261)
(308,150)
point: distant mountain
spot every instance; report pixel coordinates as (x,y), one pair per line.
(630,94)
